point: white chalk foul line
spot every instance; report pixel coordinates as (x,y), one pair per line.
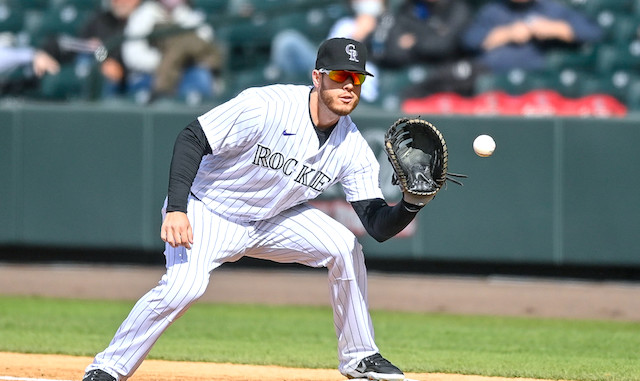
(9,378)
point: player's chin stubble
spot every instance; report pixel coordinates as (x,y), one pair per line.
(335,105)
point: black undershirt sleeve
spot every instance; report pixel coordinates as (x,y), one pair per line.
(382,221)
(190,146)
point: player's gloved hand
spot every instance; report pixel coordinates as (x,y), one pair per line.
(176,230)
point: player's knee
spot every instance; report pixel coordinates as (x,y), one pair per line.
(348,254)
(182,293)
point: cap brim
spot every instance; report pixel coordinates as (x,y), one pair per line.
(347,68)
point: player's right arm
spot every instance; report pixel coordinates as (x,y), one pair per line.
(190,146)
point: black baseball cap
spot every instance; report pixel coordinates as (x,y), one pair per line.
(342,54)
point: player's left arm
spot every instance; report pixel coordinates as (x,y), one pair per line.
(190,146)
(382,221)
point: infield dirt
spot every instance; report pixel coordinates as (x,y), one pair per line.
(55,367)
(466,295)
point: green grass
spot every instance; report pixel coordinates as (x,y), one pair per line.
(304,337)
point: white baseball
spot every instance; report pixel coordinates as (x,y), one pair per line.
(484,145)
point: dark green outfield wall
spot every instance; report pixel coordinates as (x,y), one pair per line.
(557,191)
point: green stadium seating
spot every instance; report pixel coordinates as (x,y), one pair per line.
(11,18)
(636,7)
(609,21)
(515,82)
(393,83)
(88,5)
(245,78)
(39,5)
(65,85)
(210,7)
(618,57)
(580,59)
(567,82)
(595,7)
(314,23)
(626,30)
(633,95)
(616,84)
(62,19)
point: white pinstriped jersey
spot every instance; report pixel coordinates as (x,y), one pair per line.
(266,156)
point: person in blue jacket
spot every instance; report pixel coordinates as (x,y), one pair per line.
(510,34)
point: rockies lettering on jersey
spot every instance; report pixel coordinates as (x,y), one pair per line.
(265,158)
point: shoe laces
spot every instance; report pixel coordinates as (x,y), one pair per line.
(97,375)
(377,359)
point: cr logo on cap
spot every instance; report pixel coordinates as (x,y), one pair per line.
(352,52)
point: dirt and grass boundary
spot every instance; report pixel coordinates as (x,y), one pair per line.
(401,292)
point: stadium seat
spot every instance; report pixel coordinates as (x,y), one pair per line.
(253,31)
(63,19)
(39,5)
(636,7)
(538,81)
(566,82)
(609,21)
(65,85)
(626,30)
(633,95)
(580,59)
(515,82)
(11,18)
(210,7)
(245,78)
(616,84)
(251,8)
(610,58)
(486,82)
(394,82)
(89,5)
(595,7)
(314,23)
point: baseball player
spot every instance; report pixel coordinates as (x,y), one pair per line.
(239,182)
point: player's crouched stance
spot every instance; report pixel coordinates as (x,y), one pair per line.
(239,182)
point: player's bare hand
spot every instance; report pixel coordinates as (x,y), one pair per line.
(176,230)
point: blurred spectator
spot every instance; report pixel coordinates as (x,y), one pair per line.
(294,53)
(170,51)
(98,40)
(13,58)
(509,34)
(420,31)
(426,33)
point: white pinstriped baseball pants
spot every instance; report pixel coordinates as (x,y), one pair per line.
(301,234)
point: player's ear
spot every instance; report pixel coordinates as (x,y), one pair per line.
(316,76)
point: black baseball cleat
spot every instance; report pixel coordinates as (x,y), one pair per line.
(376,367)
(98,375)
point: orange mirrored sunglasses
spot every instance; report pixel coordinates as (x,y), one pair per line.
(342,75)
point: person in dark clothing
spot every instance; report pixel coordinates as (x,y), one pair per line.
(98,40)
(510,34)
(420,31)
